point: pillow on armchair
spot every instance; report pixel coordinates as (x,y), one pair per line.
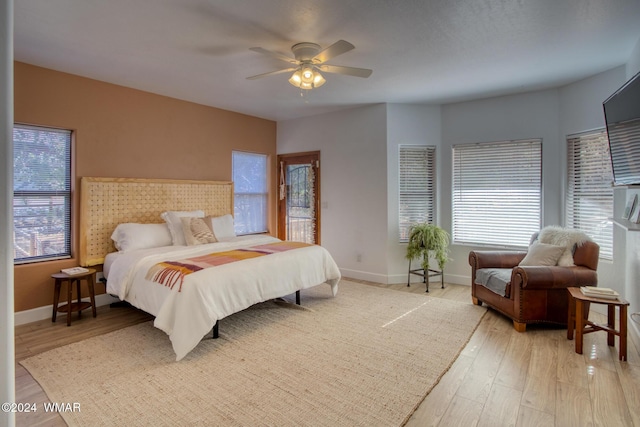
(566,237)
(542,254)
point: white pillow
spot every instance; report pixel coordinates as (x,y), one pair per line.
(542,254)
(132,236)
(222,226)
(172,218)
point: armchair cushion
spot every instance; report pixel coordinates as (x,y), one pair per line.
(542,254)
(495,279)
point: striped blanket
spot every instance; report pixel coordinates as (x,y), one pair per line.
(170,273)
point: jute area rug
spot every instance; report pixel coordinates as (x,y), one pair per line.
(367,357)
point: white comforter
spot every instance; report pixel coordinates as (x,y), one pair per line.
(214,293)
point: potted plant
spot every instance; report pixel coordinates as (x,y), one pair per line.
(428,240)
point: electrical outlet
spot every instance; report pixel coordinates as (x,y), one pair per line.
(100,277)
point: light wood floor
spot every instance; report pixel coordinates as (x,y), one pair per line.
(502,377)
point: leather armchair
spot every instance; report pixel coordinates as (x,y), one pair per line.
(534,294)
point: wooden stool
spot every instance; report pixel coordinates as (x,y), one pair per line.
(577,301)
(73,306)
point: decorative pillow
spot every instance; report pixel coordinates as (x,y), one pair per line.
(542,254)
(132,236)
(222,226)
(567,237)
(172,218)
(196,231)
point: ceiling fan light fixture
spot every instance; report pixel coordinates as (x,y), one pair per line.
(306,77)
(296,78)
(307,62)
(307,74)
(318,80)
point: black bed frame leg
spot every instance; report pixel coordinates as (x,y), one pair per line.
(215,330)
(215,327)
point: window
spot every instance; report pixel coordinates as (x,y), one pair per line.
(589,191)
(497,196)
(41,193)
(251,193)
(417,186)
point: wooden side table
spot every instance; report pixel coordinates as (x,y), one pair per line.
(583,326)
(71,306)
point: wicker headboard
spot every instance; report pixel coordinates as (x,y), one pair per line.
(107,202)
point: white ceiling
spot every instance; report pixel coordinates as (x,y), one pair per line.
(421,51)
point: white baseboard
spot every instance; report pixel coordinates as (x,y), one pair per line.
(363,275)
(457,279)
(41,313)
(402,277)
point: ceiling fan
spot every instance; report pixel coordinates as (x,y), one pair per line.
(309,60)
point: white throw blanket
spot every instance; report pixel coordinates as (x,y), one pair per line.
(566,237)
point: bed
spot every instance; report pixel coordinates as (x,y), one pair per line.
(188,288)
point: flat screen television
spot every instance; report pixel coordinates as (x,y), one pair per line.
(622,115)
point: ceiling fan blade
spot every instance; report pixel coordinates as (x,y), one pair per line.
(338,48)
(349,71)
(276,55)
(272,73)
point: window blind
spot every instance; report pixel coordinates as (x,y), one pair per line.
(497,196)
(416,186)
(589,201)
(249,172)
(625,151)
(41,193)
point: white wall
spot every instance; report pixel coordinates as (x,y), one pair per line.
(626,262)
(359,180)
(359,150)
(626,249)
(369,227)
(524,116)
(633,65)
(7,356)
(353,150)
(581,102)
(413,125)
(581,110)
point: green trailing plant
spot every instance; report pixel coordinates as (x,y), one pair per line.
(428,240)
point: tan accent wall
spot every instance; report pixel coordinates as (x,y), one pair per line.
(126,133)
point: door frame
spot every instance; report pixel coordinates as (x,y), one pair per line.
(309,157)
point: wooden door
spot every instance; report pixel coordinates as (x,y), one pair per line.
(299,197)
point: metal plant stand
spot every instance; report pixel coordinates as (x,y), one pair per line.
(425,275)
